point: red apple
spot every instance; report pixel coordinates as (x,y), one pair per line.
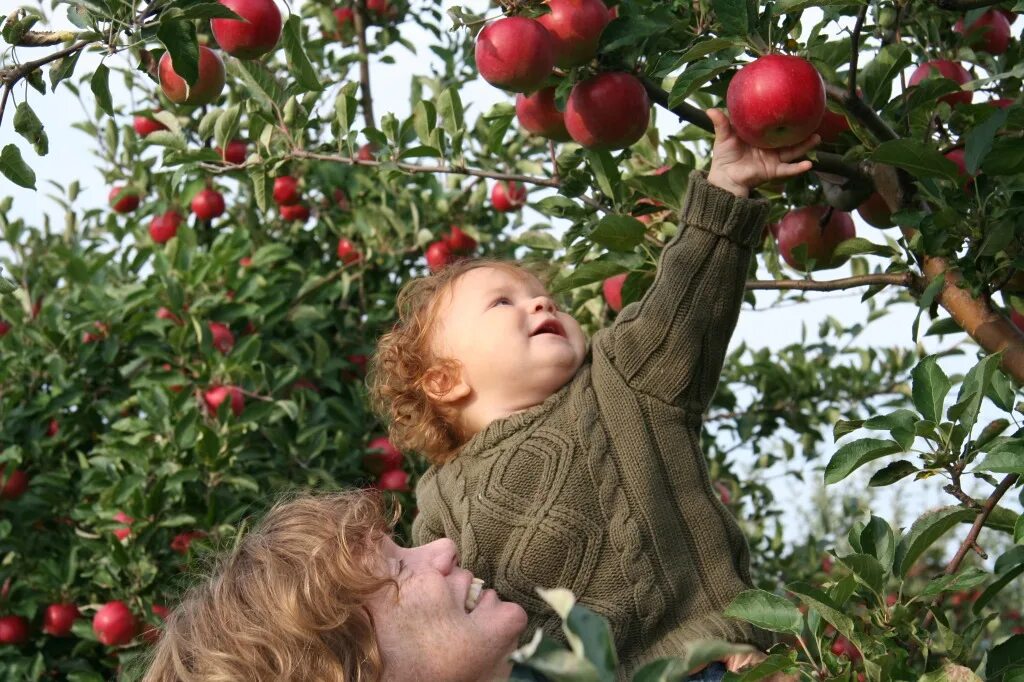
(125,530)
(52,428)
(844,647)
(575,27)
(341,199)
(205,90)
(286,191)
(1001,103)
(724,493)
(4,328)
(13,630)
(293,212)
(58,619)
(102,331)
(144,125)
(114,624)
(382,456)
(438,256)
(163,313)
(875,211)
(359,361)
(13,485)
(508,196)
(245,261)
(344,17)
(892,599)
(366,152)
(163,227)
(223,339)
(988,33)
(234,153)
(538,114)
(776,101)
(150,633)
(832,126)
(395,479)
(1017,319)
(255,35)
(208,204)
(380,7)
(458,241)
(943,68)
(515,53)
(347,251)
(122,199)
(215,395)
(957,156)
(802,228)
(612,290)
(609,111)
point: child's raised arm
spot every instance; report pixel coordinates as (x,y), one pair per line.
(672,343)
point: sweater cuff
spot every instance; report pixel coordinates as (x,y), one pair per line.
(721,212)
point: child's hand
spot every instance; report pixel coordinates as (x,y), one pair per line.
(739,167)
(739,662)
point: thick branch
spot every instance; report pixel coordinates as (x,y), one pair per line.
(903,279)
(855,50)
(860,110)
(359,19)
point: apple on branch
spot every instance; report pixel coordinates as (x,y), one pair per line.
(776,101)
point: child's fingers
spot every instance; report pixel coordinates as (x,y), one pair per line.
(796,151)
(788,170)
(721,123)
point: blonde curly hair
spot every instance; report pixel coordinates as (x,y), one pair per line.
(287,603)
(405,362)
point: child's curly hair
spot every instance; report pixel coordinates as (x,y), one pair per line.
(405,362)
(288,602)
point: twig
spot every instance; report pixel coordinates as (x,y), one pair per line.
(10,77)
(855,50)
(904,279)
(359,19)
(46,38)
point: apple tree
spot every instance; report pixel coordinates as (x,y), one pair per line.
(193,339)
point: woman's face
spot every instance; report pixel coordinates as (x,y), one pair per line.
(426,633)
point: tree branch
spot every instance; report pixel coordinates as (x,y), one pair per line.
(860,110)
(855,50)
(359,19)
(10,77)
(903,279)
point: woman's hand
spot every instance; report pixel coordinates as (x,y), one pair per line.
(738,662)
(739,167)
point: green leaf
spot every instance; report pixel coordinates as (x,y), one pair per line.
(979,140)
(706,47)
(878,75)
(856,454)
(101,89)
(943,325)
(179,37)
(587,273)
(15,169)
(827,608)
(662,670)
(618,232)
(1005,158)
(1005,657)
(766,610)
(845,426)
(695,76)
(63,68)
(925,531)
(775,663)
(917,158)
(966,579)
(28,125)
(877,539)
(449,107)
(972,391)
(259,82)
(596,636)
(1018,530)
(260,186)
(606,172)
(270,253)
(1005,458)
(859,246)
(892,472)
(930,386)
(209,10)
(867,570)
(732,15)
(298,62)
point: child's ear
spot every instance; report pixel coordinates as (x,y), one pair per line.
(443,383)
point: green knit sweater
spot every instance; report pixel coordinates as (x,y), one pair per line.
(603,487)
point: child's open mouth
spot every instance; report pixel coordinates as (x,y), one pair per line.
(551,326)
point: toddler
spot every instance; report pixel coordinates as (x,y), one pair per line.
(559,465)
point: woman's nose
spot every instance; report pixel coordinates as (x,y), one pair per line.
(444,556)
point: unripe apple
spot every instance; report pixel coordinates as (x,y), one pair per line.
(59,618)
(875,211)
(438,256)
(13,630)
(508,196)
(395,479)
(207,87)
(575,27)
(223,339)
(125,530)
(123,199)
(988,33)
(208,204)
(163,227)
(255,35)
(458,241)
(115,624)
(293,212)
(776,101)
(12,485)
(802,227)
(286,191)
(612,290)
(347,251)
(382,456)
(234,153)
(609,111)
(515,53)
(538,114)
(215,395)
(144,125)
(943,68)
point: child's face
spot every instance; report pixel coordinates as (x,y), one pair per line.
(515,348)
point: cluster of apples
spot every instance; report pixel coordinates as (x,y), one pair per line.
(385,461)
(607,111)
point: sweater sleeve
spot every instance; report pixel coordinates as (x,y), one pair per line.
(672,343)
(428,524)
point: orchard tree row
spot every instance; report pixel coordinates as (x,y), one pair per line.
(175,358)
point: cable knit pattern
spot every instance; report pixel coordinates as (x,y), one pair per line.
(603,488)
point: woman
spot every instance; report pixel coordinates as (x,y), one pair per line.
(319,591)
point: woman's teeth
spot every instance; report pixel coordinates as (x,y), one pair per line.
(476,588)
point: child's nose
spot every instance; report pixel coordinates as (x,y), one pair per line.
(543,303)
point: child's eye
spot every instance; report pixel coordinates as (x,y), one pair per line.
(502,300)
